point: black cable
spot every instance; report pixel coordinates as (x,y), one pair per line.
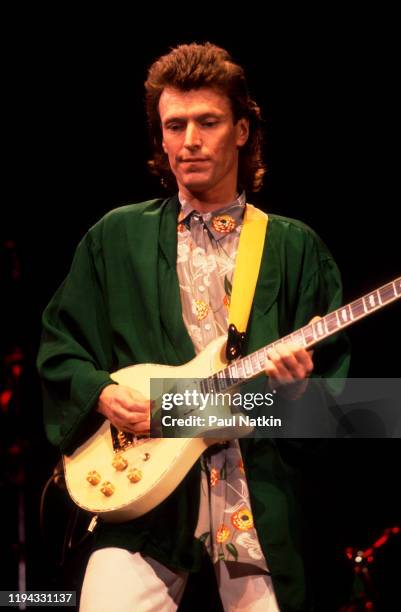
(42,503)
(57,478)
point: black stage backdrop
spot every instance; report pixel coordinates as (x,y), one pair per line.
(77,147)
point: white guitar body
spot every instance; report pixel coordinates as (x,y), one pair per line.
(162,463)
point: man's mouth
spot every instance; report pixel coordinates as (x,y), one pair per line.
(194,160)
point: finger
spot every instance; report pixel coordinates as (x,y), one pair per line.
(142,427)
(288,358)
(133,428)
(137,417)
(307,361)
(122,425)
(271,370)
(297,360)
(281,359)
(125,417)
(303,359)
(137,396)
(276,369)
(130,403)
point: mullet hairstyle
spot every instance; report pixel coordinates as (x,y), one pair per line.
(194,66)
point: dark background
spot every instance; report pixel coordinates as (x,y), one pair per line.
(76,146)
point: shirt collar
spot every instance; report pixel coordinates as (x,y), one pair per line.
(219,222)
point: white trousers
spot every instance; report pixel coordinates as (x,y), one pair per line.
(119,581)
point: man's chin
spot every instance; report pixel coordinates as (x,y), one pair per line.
(196,184)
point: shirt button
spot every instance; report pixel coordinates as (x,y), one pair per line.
(201,288)
(208,327)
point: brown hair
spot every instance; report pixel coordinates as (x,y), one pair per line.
(205,65)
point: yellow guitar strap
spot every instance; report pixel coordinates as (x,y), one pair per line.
(247,264)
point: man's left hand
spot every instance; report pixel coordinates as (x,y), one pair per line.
(288,368)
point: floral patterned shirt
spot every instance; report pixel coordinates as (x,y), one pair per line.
(206,252)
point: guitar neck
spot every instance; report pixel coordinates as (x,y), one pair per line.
(307,336)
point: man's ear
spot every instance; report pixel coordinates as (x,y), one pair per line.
(242,127)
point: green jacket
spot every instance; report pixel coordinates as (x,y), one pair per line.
(120,305)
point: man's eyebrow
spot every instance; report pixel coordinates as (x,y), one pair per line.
(201,117)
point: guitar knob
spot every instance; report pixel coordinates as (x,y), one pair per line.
(107,488)
(119,463)
(93,477)
(134,475)
(145,456)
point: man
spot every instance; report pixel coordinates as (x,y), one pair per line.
(151,282)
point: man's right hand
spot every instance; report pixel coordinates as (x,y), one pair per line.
(125,408)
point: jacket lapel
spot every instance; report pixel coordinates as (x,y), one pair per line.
(178,345)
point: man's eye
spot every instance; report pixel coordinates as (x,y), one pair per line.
(174,127)
(209,124)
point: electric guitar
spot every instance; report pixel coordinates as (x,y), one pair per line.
(119,476)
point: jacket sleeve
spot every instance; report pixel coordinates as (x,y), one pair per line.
(75,354)
(321,294)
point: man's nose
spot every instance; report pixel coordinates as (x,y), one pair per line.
(192,137)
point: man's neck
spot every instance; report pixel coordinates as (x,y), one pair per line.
(204,203)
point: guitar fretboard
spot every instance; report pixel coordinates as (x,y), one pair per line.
(307,336)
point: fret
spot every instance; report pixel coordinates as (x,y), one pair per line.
(344,314)
(262,359)
(308,334)
(254,362)
(397,286)
(215,383)
(227,376)
(276,343)
(248,367)
(338,318)
(240,369)
(222,380)
(233,372)
(357,309)
(371,301)
(387,293)
(331,322)
(266,352)
(203,386)
(298,338)
(318,329)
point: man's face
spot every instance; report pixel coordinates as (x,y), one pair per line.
(201,140)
